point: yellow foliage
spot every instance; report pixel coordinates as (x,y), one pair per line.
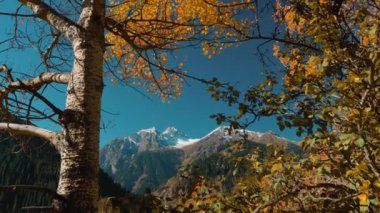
(313,67)
(363,199)
(276,49)
(330,95)
(290,18)
(153,26)
(277,167)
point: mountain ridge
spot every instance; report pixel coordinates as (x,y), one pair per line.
(174,133)
(148,158)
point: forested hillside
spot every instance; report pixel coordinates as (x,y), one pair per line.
(30,163)
(33,162)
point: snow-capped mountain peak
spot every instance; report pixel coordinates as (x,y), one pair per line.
(151,139)
(182,143)
(225,134)
(222,132)
(171,135)
(151,130)
(170,131)
(131,159)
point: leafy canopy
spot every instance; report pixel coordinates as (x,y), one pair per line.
(330,92)
(146,31)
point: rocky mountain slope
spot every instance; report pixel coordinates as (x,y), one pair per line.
(150,158)
(143,160)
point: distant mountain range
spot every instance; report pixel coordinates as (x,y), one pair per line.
(149,158)
(146,159)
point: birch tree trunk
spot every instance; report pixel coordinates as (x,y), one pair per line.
(79,147)
(78,143)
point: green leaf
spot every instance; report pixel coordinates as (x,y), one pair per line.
(345,137)
(235,172)
(184,167)
(374,201)
(359,142)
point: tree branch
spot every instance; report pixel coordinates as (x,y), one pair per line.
(117,29)
(38,208)
(43,11)
(48,51)
(30,130)
(32,188)
(33,83)
(55,109)
(303,187)
(17,15)
(7,71)
(285,41)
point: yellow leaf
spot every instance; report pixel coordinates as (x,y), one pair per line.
(377,184)
(270,83)
(349,172)
(289,18)
(363,199)
(276,167)
(276,49)
(365,185)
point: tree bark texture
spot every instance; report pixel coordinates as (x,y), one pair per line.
(79,146)
(78,142)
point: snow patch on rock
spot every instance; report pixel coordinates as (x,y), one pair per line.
(181,142)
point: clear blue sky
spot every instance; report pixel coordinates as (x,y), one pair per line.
(189,113)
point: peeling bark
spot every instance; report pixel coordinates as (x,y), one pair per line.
(78,178)
(79,141)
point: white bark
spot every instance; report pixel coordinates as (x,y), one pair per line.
(37,82)
(80,153)
(79,145)
(43,11)
(23,129)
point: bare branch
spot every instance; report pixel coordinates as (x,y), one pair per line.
(229,5)
(33,83)
(371,162)
(45,100)
(63,24)
(8,74)
(30,130)
(38,208)
(16,14)
(283,40)
(32,188)
(48,51)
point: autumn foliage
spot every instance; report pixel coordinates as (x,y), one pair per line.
(330,93)
(146,47)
